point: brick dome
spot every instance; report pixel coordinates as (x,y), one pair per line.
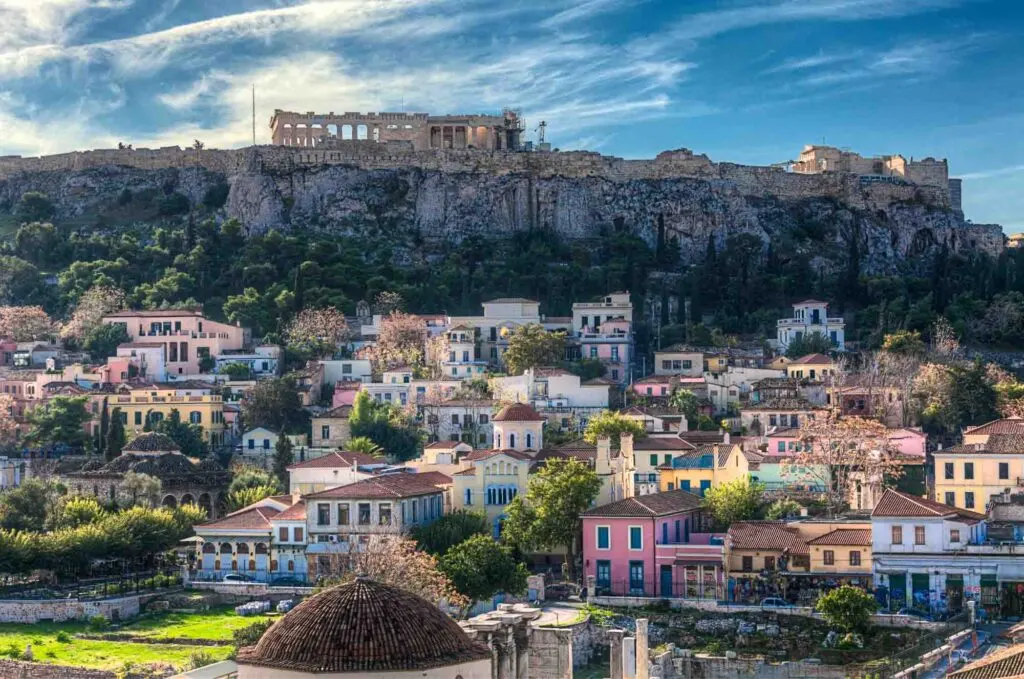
(518,412)
(363,626)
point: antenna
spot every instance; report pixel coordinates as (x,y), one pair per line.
(254,114)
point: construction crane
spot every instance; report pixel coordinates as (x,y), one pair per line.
(540,131)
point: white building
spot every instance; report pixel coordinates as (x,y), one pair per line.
(932,556)
(555,392)
(735,385)
(337,468)
(809,317)
(347,370)
(462,360)
(146,357)
(263,361)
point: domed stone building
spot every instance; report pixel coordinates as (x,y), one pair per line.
(368,630)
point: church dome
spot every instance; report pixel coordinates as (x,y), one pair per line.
(518,412)
(363,626)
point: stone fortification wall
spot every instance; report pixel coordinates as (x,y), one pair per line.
(62,610)
(14,669)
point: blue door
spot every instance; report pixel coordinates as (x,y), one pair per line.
(636,578)
(604,577)
(704,485)
(666,582)
(684,485)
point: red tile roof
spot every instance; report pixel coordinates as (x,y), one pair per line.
(656,504)
(813,359)
(766,535)
(437,478)
(247,518)
(894,503)
(1008,425)
(518,412)
(662,443)
(1007,663)
(1000,444)
(854,537)
(381,487)
(484,454)
(341,412)
(297,512)
(335,459)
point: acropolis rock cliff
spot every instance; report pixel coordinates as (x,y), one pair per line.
(446,195)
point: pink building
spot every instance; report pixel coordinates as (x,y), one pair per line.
(7,349)
(345,393)
(661,386)
(652,545)
(909,442)
(187,336)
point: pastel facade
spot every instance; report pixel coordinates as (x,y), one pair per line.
(462,360)
(467,420)
(655,545)
(679,360)
(331,429)
(811,317)
(186,335)
(989,461)
(262,361)
(662,386)
(243,542)
(553,391)
(347,370)
(811,367)
(337,468)
(703,467)
(157,402)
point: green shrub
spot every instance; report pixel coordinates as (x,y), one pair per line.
(12,651)
(99,623)
(63,637)
(199,659)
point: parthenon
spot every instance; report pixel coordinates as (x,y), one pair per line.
(422,130)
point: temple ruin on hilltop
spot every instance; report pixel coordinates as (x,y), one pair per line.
(422,130)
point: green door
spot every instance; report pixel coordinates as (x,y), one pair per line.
(919,589)
(897,591)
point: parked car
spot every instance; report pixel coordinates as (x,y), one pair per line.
(561,592)
(774,602)
(236,577)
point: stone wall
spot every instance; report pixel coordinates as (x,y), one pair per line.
(61,610)
(14,669)
(705,667)
(551,653)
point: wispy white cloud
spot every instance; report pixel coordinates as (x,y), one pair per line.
(995,172)
(811,62)
(588,9)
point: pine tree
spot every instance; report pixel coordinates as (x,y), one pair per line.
(101,437)
(115,436)
(283,458)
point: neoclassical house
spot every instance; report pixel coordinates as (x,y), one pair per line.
(182,479)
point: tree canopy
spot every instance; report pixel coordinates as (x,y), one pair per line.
(614,425)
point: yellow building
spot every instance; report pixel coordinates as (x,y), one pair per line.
(842,552)
(705,465)
(811,367)
(990,460)
(155,403)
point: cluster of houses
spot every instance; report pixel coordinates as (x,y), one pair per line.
(646,536)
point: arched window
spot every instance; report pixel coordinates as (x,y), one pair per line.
(529,440)
(209,548)
(225,548)
(511,440)
(291,565)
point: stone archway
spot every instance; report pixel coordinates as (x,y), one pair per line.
(170,501)
(207,504)
(187,499)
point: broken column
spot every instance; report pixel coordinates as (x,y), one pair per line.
(615,638)
(643,651)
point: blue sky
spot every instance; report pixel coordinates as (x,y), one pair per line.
(741,80)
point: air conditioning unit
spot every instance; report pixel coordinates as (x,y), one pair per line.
(333,538)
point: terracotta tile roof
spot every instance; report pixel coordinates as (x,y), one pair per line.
(598,381)
(577,450)
(442,445)
(1007,663)
(141,345)
(247,518)
(551,372)
(697,436)
(381,487)
(518,412)
(437,478)
(155,312)
(815,359)
(1008,425)
(766,535)
(354,629)
(511,300)
(337,458)
(297,512)
(1002,444)
(894,503)
(656,504)
(150,442)
(341,412)
(484,454)
(662,443)
(466,472)
(854,537)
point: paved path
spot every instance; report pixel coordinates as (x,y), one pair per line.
(558,613)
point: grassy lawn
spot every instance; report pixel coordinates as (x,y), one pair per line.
(107,655)
(217,624)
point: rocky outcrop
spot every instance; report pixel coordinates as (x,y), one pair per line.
(678,199)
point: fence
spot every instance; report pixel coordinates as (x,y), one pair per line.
(95,588)
(262,576)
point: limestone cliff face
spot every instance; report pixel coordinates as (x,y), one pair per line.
(830,217)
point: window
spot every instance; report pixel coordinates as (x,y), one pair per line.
(666,365)
(969,500)
(529,441)
(298,534)
(343,518)
(455,420)
(282,534)
(636,538)
(748,564)
(364,513)
(266,444)
(195,417)
(654,459)
(949,471)
(1004,470)
(854,558)
(323,514)
(782,446)
(615,353)
(483,418)
(968,470)
(252,442)
(469,496)
(769,563)
(346,368)
(667,459)
(954,535)
(593,352)
(919,537)
(511,440)
(325,431)
(897,535)
(687,365)
(951,498)
(830,557)
(384,514)
(138,417)
(773,421)
(603,537)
